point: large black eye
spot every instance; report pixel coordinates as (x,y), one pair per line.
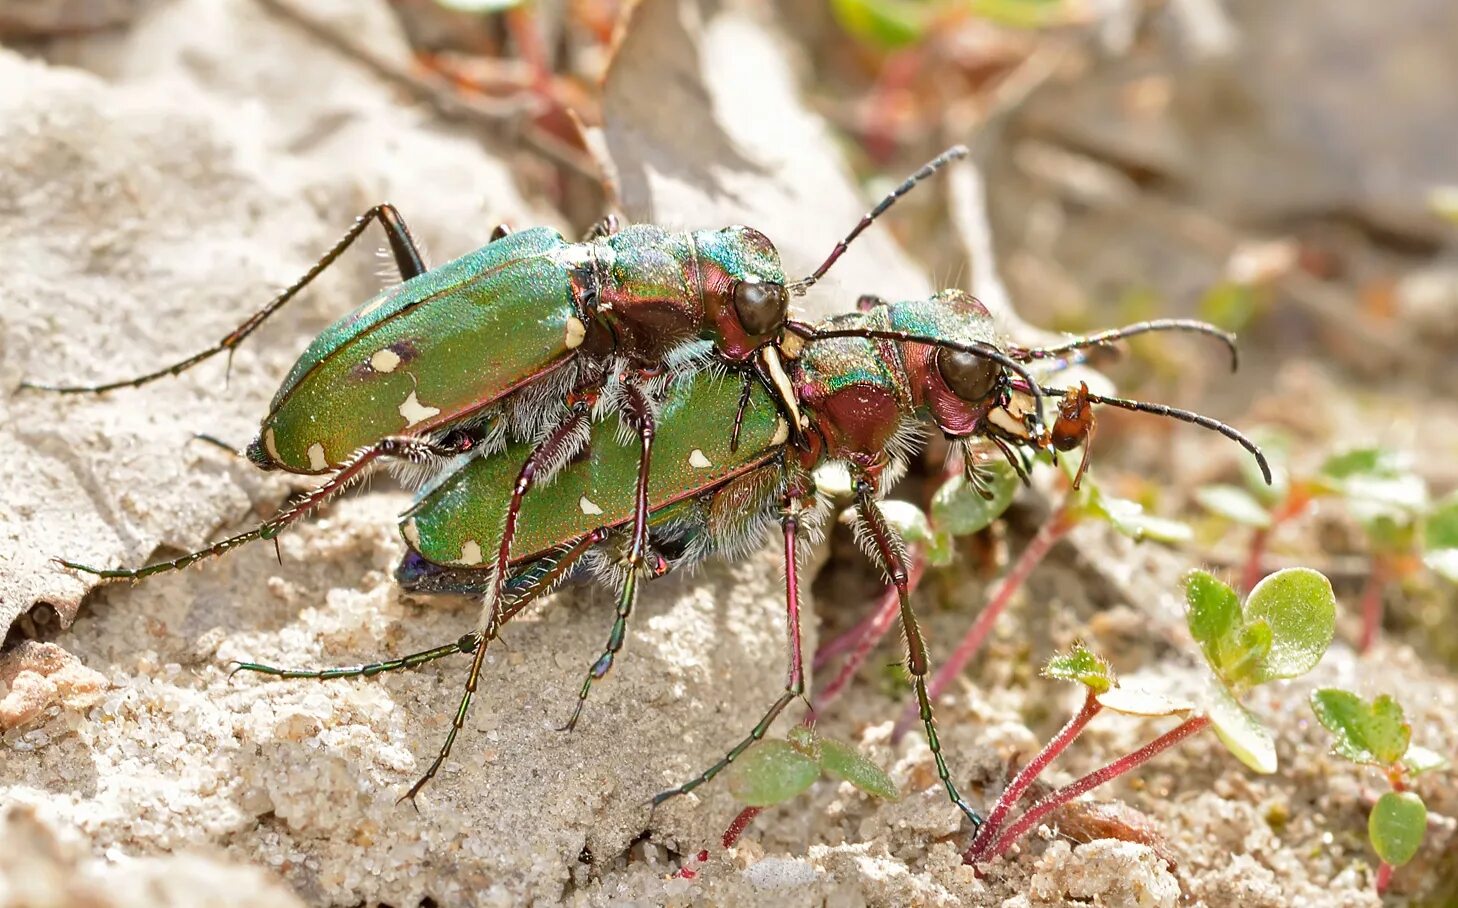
(761,307)
(971,377)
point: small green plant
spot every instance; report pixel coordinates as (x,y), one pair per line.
(1376,733)
(778,769)
(1281,631)
(1381,492)
(959,508)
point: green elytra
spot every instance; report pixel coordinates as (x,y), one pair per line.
(457,521)
(454,340)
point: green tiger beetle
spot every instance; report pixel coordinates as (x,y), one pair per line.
(869,383)
(504,334)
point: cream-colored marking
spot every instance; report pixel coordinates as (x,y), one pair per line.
(576,331)
(697,459)
(411,531)
(1008,423)
(470,553)
(414,411)
(587,506)
(786,391)
(792,346)
(317,460)
(782,432)
(270,444)
(384,360)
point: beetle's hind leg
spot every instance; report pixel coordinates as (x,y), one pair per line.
(790,516)
(400,446)
(402,247)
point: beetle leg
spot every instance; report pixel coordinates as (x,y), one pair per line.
(400,446)
(888,551)
(640,415)
(791,508)
(606,226)
(500,231)
(402,245)
(535,584)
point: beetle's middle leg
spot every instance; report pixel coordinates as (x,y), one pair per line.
(398,446)
(639,413)
(888,551)
(402,246)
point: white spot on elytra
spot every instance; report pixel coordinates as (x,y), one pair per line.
(384,360)
(587,506)
(470,553)
(270,445)
(414,411)
(317,460)
(697,459)
(411,531)
(575,333)
(782,432)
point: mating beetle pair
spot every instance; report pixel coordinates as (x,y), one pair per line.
(622,324)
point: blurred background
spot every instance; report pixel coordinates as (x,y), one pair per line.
(1285,170)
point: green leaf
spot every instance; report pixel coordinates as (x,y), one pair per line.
(1229,304)
(771,772)
(1130,519)
(1397,825)
(959,509)
(1133,701)
(1019,13)
(1239,730)
(1234,504)
(908,520)
(1213,614)
(1365,732)
(1440,538)
(1419,760)
(1300,607)
(1382,492)
(888,24)
(845,762)
(1081,666)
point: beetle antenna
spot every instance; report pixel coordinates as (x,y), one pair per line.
(1198,419)
(976,348)
(1159,324)
(955,153)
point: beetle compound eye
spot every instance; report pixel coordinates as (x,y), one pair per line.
(971,377)
(761,307)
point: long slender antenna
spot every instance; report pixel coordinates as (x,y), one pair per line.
(1159,324)
(955,153)
(976,348)
(1184,416)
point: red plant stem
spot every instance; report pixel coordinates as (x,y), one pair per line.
(741,822)
(873,630)
(1014,791)
(1255,555)
(1384,877)
(1372,603)
(1038,547)
(1053,800)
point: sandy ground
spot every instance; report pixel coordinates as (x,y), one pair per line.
(156,193)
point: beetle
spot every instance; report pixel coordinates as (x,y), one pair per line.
(503,335)
(868,383)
